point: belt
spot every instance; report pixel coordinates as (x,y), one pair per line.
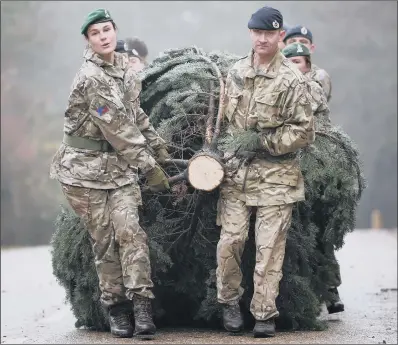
(86,143)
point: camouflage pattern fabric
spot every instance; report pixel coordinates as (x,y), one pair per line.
(104,105)
(119,243)
(272,224)
(275,101)
(101,187)
(323,78)
(319,106)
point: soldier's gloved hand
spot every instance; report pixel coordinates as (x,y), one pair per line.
(157,180)
(162,155)
(249,155)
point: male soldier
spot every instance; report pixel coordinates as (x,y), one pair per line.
(140,50)
(301,34)
(300,55)
(106,140)
(281,44)
(268,96)
(136,51)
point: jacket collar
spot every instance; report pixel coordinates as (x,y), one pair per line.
(272,69)
(116,70)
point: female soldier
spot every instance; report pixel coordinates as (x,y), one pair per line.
(300,55)
(106,138)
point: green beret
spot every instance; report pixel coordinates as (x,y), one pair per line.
(98,16)
(296,49)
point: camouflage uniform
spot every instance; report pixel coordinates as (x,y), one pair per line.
(319,105)
(100,183)
(323,78)
(276,103)
(322,122)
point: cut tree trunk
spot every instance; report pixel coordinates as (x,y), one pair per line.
(205,171)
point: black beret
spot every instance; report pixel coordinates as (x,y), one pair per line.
(120,46)
(266,18)
(137,47)
(124,46)
(298,30)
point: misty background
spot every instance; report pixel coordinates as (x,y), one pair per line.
(41,50)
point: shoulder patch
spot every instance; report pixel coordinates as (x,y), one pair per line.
(102,110)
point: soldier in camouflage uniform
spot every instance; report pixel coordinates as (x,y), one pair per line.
(136,50)
(300,55)
(301,34)
(107,138)
(265,94)
(281,43)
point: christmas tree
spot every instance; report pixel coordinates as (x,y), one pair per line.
(181,225)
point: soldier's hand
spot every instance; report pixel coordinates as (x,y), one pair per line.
(162,155)
(157,180)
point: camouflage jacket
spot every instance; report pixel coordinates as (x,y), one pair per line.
(104,105)
(319,106)
(323,78)
(276,103)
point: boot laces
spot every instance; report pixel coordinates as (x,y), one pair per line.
(234,310)
(142,309)
(122,319)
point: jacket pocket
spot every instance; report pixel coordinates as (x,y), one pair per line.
(286,173)
(233,100)
(269,109)
(82,164)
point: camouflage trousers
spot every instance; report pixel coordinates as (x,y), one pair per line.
(119,243)
(272,224)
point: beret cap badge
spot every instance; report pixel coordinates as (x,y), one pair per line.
(304,31)
(275,24)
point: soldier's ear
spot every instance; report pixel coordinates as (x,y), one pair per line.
(312,49)
(282,35)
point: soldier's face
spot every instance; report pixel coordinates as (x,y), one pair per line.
(102,38)
(265,42)
(136,63)
(302,40)
(301,63)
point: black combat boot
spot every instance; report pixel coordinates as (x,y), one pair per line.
(264,329)
(119,320)
(335,305)
(232,318)
(144,326)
